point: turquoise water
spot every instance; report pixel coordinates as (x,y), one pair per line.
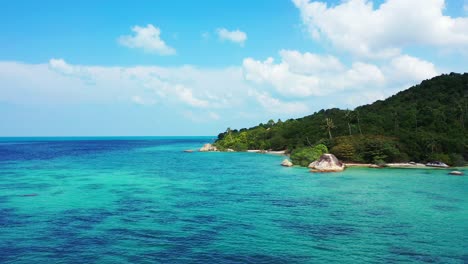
(142,200)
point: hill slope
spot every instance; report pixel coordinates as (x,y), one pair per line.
(426,122)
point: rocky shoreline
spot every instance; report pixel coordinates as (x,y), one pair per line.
(329,163)
(211,148)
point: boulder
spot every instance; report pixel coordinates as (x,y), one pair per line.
(208,147)
(286,163)
(327,163)
(437,164)
(229,150)
(188,151)
(457,173)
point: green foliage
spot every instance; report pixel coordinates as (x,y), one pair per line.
(344,151)
(377,149)
(414,125)
(304,156)
(457,160)
(445,158)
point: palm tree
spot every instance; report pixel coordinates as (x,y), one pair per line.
(329,126)
(358,121)
(348,119)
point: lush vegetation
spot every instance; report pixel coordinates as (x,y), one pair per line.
(426,122)
(304,156)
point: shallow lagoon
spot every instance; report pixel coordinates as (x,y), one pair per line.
(142,200)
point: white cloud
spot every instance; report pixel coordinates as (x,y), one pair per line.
(306,63)
(62,67)
(410,69)
(357,27)
(235,36)
(61,82)
(274,105)
(294,86)
(279,76)
(300,75)
(147,38)
(186,95)
(143,101)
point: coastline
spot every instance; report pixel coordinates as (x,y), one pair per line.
(272,152)
(403,166)
(400,165)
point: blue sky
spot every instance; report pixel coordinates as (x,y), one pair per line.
(96,68)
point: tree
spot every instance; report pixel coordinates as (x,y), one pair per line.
(427,119)
(304,156)
(348,119)
(344,151)
(358,121)
(329,126)
(229,133)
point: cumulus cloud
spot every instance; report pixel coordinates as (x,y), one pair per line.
(307,63)
(300,75)
(357,27)
(147,38)
(280,77)
(294,85)
(62,67)
(235,36)
(186,95)
(186,86)
(274,105)
(410,69)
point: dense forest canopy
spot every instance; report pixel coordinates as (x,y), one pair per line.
(423,123)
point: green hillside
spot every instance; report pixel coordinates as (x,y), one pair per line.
(426,122)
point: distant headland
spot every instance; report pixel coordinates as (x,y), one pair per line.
(423,124)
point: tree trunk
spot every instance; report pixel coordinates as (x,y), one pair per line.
(359,123)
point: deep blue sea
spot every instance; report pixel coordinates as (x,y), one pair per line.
(143,200)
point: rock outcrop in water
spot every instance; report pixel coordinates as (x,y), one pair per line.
(208,147)
(286,163)
(327,163)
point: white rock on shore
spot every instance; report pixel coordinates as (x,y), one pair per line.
(406,165)
(208,147)
(286,163)
(327,163)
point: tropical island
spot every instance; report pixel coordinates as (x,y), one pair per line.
(424,123)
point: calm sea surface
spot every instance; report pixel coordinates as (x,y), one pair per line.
(142,200)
